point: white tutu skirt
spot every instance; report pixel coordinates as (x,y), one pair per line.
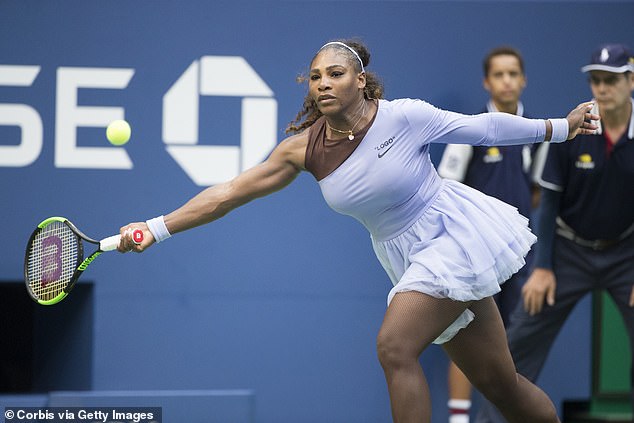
(463,247)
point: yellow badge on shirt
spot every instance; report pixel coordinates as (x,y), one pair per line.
(585,162)
(493,155)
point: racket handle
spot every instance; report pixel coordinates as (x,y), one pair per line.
(111,243)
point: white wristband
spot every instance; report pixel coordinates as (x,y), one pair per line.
(459,404)
(158,229)
(560,130)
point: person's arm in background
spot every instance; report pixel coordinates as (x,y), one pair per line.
(538,154)
(540,286)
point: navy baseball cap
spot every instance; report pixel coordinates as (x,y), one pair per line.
(616,58)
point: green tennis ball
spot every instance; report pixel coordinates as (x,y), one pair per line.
(118,132)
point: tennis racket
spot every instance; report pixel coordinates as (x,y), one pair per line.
(54,258)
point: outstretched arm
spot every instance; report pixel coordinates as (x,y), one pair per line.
(507,129)
(279,170)
(214,202)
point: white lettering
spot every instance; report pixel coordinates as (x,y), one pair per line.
(70,116)
(26,117)
(205,164)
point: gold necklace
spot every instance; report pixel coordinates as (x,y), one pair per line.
(350,131)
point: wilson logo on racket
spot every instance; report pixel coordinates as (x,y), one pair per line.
(84,264)
(51,260)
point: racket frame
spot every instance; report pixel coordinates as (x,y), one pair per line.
(80,265)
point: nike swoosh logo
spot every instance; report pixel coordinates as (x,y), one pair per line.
(385,151)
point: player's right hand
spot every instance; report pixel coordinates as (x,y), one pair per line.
(539,288)
(128,243)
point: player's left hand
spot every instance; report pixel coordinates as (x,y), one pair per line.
(632,297)
(580,120)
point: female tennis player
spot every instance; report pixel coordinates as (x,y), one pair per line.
(446,247)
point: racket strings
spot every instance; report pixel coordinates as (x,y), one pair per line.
(52,260)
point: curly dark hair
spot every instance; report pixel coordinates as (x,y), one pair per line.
(373,88)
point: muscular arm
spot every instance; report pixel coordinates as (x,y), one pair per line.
(279,170)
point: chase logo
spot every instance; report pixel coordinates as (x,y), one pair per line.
(584,161)
(218,76)
(493,155)
(204,164)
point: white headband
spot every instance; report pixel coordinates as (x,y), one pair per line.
(339,43)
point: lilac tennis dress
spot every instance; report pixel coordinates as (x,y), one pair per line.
(431,235)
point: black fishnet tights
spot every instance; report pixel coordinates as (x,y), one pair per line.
(412,322)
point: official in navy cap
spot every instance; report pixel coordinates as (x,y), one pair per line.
(586,223)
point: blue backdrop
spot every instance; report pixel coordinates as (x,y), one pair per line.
(283,296)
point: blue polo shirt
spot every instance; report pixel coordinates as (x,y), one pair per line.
(500,173)
(596,182)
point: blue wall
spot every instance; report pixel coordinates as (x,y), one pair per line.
(282,296)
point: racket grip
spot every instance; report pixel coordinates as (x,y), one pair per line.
(112,242)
